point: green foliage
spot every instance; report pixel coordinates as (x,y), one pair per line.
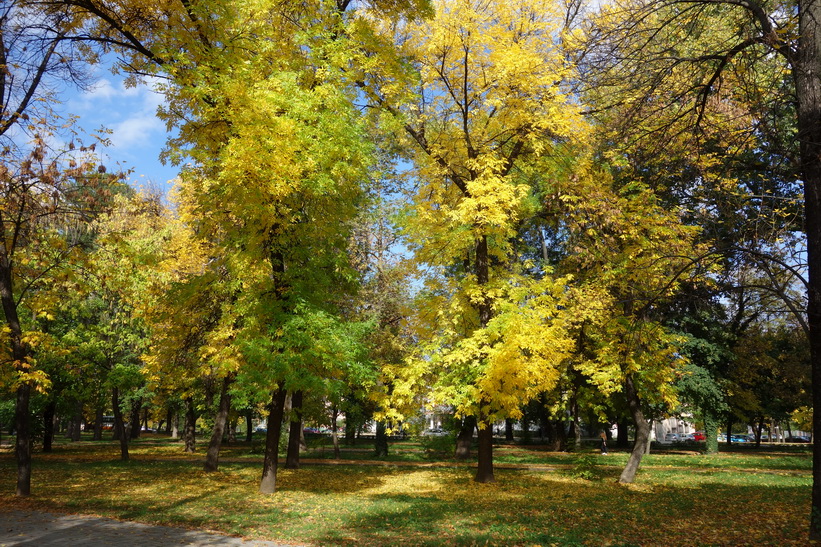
(585,467)
(437,447)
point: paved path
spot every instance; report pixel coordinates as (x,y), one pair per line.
(35,528)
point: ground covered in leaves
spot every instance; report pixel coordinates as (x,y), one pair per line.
(681,497)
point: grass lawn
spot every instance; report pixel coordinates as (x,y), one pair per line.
(744,497)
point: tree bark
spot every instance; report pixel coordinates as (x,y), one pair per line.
(465,438)
(213,454)
(294,431)
(806,75)
(710,433)
(48,425)
(77,421)
(134,422)
(509,429)
(628,475)
(334,431)
(381,442)
(98,424)
(190,428)
(484,469)
(622,429)
(249,426)
(268,484)
(119,426)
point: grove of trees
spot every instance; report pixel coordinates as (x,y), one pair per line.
(533,210)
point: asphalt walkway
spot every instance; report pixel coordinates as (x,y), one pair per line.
(35,528)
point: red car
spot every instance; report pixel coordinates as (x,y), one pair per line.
(699,436)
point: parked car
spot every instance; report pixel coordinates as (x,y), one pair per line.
(699,436)
(798,439)
(672,438)
(739,438)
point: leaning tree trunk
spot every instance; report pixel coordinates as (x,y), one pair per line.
(268,484)
(119,426)
(213,454)
(628,475)
(465,438)
(294,431)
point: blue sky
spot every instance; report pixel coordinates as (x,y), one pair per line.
(137,135)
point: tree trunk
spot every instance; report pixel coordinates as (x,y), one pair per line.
(98,424)
(561,435)
(134,423)
(334,432)
(294,431)
(509,430)
(249,426)
(268,484)
(175,425)
(190,428)
(213,454)
(119,426)
(48,425)
(806,75)
(23,442)
(710,433)
(628,475)
(465,438)
(484,469)
(730,429)
(381,443)
(169,417)
(622,430)
(77,421)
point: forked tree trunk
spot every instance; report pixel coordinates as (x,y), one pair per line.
(628,475)
(294,431)
(465,438)
(268,484)
(119,426)
(213,454)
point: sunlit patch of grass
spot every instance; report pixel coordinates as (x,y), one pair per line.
(745,498)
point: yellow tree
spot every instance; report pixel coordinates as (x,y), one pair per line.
(262,96)
(491,98)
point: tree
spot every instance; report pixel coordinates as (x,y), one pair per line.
(489,100)
(677,49)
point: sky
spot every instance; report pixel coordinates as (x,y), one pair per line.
(137,135)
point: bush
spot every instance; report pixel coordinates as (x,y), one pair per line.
(438,446)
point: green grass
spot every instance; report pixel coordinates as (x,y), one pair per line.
(749,497)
